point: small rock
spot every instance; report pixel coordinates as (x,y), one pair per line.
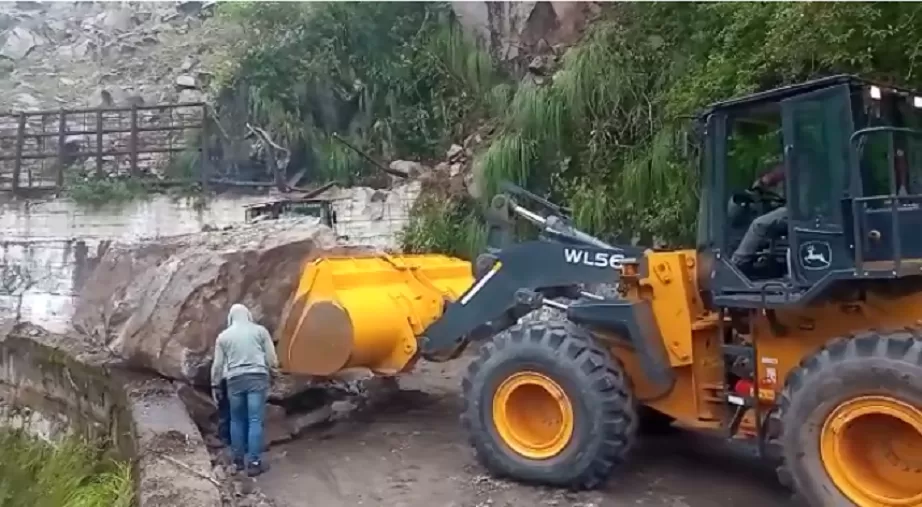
(302,422)
(409,167)
(540,64)
(341,408)
(240,488)
(27,101)
(190,95)
(29,6)
(186,81)
(187,65)
(134,99)
(212,441)
(289,386)
(6,21)
(453,152)
(189,7)
(455,169)
(472,140)
(276,425)
(6,67)
(199,405)
(349,375)
(19,43)
(120,20)
(204,77)
(103,98)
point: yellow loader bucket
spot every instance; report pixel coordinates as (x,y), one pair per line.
(367,311)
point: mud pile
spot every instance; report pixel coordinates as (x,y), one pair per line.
(160,304)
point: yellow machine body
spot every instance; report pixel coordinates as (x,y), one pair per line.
(369,312)
(693,341)
(366,311)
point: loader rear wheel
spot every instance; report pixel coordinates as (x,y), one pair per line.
(849,424)
(545,404)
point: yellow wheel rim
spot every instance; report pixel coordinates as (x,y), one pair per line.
(871,447)
(533,415)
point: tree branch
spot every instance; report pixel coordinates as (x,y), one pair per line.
(388,170)
(277,171)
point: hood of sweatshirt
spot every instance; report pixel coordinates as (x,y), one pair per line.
(238,314)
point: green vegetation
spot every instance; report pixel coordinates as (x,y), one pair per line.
(98,191)
(71,474)
(609,135)
(444,224)
(396,80)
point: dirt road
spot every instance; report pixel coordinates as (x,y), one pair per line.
(412,453)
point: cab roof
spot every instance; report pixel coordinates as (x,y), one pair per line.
(785,92)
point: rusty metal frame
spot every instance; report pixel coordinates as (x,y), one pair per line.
(135,143)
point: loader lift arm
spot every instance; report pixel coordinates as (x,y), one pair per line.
(518,278)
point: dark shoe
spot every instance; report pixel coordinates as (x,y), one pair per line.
(238,465)
(257,468)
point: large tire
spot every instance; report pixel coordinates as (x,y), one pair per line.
(594,388)
(834,424)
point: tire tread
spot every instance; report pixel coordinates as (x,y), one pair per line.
(601,371)
(901,346)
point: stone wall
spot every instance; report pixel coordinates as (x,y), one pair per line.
(51,387)
(51,394)
(50,247)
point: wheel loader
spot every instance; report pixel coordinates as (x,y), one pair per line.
(811,351)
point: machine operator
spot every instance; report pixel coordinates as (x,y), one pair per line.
(773,223)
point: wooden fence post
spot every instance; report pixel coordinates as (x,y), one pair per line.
(62,139)
(20,141)
(204,152)
(133,141)
(99,125)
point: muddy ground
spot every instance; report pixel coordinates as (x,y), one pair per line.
(412,452)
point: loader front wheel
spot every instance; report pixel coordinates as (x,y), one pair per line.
(849,426)
(545,404)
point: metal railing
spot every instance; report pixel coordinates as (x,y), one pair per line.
(896,207)
(37,149)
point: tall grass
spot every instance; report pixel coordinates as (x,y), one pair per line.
(34,473)
(444,226)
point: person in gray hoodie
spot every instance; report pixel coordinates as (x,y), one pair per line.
(245,358)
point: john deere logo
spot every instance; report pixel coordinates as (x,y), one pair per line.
(815,255)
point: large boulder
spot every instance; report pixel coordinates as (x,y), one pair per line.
(161,304)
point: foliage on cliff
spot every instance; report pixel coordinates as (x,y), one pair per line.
(34,473)
(396,80)
(606,136)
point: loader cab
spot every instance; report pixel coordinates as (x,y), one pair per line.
(850,152)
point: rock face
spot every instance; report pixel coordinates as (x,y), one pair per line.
(55,54)
(160,305)
(514,32)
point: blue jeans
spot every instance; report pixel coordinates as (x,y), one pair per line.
(247,410)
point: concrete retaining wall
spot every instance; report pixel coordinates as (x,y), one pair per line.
(49,247)
(51,389)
